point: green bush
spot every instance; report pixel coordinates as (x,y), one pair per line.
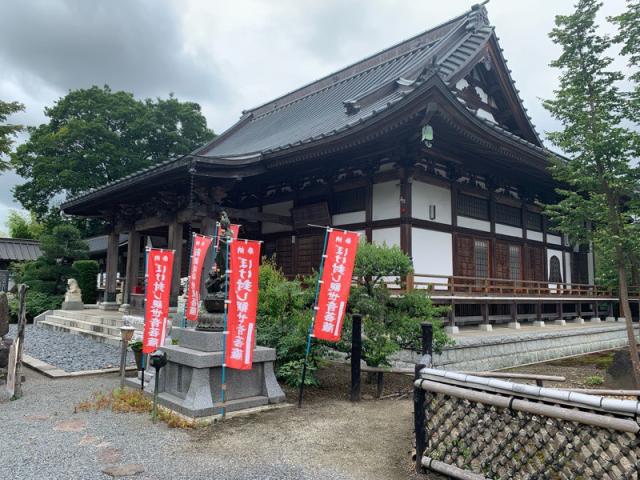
(594,380)
(284,315)
(86,273)
(36,303)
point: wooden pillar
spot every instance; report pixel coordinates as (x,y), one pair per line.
(112,272)
(133,265)
(560,312)
(452,327)
(175,243)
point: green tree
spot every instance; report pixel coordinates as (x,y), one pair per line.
(22,227)
(601,184)
(95,136)
(7,131)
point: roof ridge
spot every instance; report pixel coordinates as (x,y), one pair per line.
(272,105)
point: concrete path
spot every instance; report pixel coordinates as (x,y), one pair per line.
(42,438)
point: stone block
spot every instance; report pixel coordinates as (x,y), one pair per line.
(197,340)
(72,305)
(109,306)
(622,319)
(560,322)
(610,319)
(125,308)
(514,325)
(485,327)
(578,320)
(451,330)
(595,320)
(538,323)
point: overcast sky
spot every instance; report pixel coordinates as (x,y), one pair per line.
(229,56)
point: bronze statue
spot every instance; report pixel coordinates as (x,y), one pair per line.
(211,319)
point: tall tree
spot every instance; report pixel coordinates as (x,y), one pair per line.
(21,226)
(95,136)
(601,181)
(7,131)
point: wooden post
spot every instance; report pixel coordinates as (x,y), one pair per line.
(356,355)
(112,268)
(595,310)
(560,312)
(419,398)
(175,243)
(539,311)
(22,322)
(133,265)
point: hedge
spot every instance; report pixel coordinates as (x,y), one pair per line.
(86,274)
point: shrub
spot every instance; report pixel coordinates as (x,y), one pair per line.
(284,315)
(36,303)
(86,273)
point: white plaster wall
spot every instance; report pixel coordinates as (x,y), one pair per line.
(280,208)
(468,222)
(534,235)
(386,200)
(432,253)
(390,236)
(567,266)
(347,218)
(423,195)
(555,239)
(508,230)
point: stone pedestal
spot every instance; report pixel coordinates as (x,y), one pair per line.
(72,305)
(514,325)
(595,320)
(578,320)
(560,322)
(124,308)
(610,319)
(452,330)
(485,327)
(190,383)
(538,323)
(622,319)
(109,306)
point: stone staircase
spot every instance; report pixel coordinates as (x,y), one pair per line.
(99,325)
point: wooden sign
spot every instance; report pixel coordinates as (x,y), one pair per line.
(13,363)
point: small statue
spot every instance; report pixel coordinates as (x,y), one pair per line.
(73,296)
(211,319)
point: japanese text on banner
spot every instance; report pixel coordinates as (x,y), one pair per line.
(244,263)
(159,271)
(201,245)
(340,256)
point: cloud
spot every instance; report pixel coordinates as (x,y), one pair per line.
(229,56)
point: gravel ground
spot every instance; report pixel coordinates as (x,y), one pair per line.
(329,439)
(67,351)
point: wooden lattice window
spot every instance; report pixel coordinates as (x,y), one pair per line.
(555,273)
(481,258)
(474,207)
(508,215)
(515,263)
(534,221)
(349,201)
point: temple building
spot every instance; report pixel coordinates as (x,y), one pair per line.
(425,145)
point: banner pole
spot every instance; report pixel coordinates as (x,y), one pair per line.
(313,318)
(183,320)
(223,384)
(144,309)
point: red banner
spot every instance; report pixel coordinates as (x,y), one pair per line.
(233,228)
(159,269)
(244,264)
(340,257)
(201,244)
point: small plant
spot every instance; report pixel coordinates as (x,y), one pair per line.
(594,380)
(135,345)
(175,341)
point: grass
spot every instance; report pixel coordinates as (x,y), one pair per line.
(133,401)
(601,361)
(594,380)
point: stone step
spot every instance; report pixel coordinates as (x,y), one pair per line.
(97,336)
(90,326)
(109,320)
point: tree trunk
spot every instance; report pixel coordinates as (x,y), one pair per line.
(626,309)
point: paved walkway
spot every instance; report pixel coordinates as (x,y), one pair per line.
(42,438)
(528,328)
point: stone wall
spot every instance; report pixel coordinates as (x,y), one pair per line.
(504,351)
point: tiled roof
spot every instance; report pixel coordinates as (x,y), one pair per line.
(18,249)
(320,109)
